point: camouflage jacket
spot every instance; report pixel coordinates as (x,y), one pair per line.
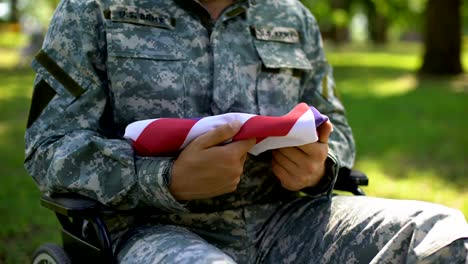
(106,63)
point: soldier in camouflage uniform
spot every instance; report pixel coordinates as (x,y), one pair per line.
(107,63)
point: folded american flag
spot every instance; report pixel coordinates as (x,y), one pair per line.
(166,136)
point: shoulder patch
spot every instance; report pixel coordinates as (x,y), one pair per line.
(63,77)
(42,95)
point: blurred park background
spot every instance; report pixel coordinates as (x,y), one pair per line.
(398,67)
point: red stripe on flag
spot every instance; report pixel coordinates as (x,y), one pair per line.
(277,125)
(163,136)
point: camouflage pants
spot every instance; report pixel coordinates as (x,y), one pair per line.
(347,229)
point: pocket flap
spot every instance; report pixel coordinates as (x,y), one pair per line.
(282,55)
(129,40)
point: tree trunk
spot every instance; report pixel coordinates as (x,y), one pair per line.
(340,33)
(14,15)
(377,24)
(443,37)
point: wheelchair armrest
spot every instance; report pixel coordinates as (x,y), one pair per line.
(79,240)
(350,180)
(359,178)
(72,205)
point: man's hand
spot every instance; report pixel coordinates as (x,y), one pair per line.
(302,166)
(206,169)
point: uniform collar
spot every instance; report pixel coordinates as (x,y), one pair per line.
(237,8)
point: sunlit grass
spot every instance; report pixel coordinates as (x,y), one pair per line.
(410,131)
(401,85)
(8,57)
(16,85)
(11,39)
(418,184)
(377,59)
(465,58)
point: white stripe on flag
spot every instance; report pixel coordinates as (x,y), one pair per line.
(303,132)
(211,122)
(133,130)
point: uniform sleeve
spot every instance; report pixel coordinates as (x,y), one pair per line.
(319,91)
(72,144)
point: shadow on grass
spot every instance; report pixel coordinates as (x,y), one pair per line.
(421,126)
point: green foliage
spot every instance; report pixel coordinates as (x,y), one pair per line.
(340,17)
(403,15)
(321,10)
(38,10)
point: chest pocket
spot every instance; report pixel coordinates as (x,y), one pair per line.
(278,83)
(145,68)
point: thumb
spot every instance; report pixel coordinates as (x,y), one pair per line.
(218,135)
(324,132)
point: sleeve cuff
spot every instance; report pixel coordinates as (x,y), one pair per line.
(153,175)
(326,184)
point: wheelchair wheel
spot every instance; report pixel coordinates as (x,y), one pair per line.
(50,254)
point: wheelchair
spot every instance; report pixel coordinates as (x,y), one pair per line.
(85,235)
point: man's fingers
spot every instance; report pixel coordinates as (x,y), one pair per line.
(279,171)
(324,132)
(218,135)
(286,162)
(242,146)
(293,154)
(284,176)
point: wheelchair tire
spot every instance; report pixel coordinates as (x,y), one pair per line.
(50,254)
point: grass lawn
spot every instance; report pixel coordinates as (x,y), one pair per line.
(410,133)
(24,224)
